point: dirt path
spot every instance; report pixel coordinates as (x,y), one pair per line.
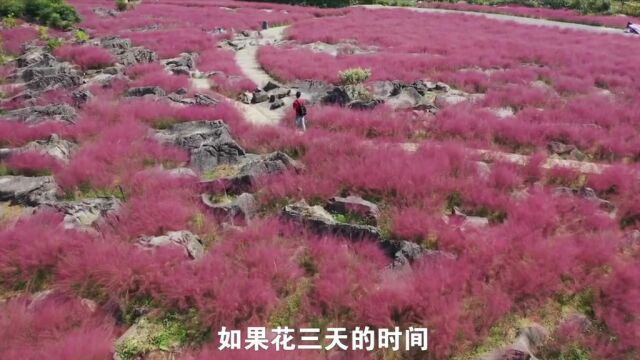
(502,17)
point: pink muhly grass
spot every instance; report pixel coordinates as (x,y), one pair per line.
(56,327)
(15,134)
(115,155)
(155,75)
(87,57)
(13,39)
(32,163)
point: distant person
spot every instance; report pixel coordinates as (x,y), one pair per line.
(301,112)
(632,28)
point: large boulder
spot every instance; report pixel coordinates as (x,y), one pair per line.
(128,55)
(83,214)
(190,243)
(59,80)
(54,146)
(204,100)
(36,114)
(36,56)
(528,342)
(404,253)
(585,193)
(29,191)
(259,96)
(318,220)
(237,210)
(313,91)
(184,61)
(145,90)
(355,205)
(209,143)
(256,166)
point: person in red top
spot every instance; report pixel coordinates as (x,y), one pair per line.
(301,112)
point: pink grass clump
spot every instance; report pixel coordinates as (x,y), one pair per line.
(104,162)
(86,56)
(56,327)
(32,163)
(14,39)
(155,75)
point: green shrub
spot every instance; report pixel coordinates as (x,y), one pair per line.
(54,13)
(54,43)
(9,21)
(354,76)
(80,36)
(121,5)
(43,33)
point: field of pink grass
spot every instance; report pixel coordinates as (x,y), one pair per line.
(587,90)
(543,255)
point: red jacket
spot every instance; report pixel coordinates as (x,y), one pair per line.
(297,105)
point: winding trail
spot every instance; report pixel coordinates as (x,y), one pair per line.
(247,60)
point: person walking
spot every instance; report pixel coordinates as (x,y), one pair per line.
(301,112)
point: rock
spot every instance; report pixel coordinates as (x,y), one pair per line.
(276,104)
(115,43)
(256,166)
(355,205)
(141,335)
(238,210)
(35,56)
(578,155)
(29,191)
(365,105)
(181,100)
(587,194)
(420,86)
(270,86)
(191,244)
(185,60)
(205,100)
(404,253)
(528,342)
(337,96)
(36,114)
(483,169)
(385,89)
(64,79)
(559,148)
(246,97)
(102,12)
(209,143)
(443,101)
(180,70)
(320,221)
(440,86)
(407,98)
(83,213)
(279,93)
(182,172)
(312,90)
(81,97)
(35,72)
(54,146)
(145,90)
(259,96)
(112,70)
(126,54)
